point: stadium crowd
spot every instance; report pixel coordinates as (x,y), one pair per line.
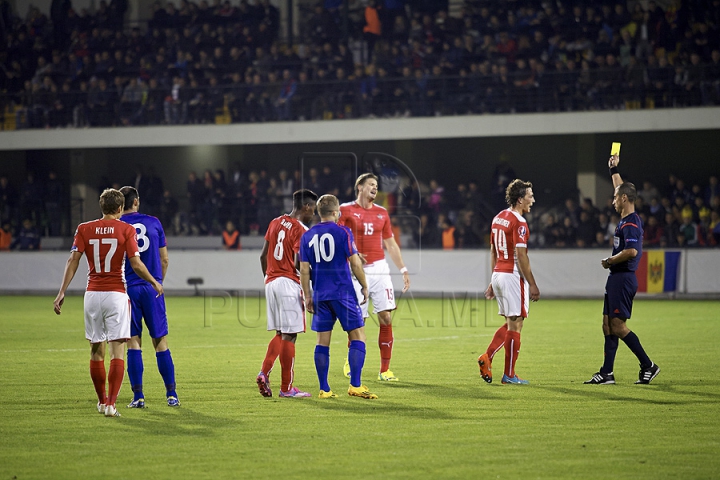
(226,62)
(424,213)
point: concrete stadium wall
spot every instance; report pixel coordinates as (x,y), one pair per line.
(559,273)
(464,126)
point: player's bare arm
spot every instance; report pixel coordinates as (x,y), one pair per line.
(305,284)
(613,163)
(70,268)
(263,257)
(489,293)
(357,268)
(139,267)
(164,260)
(394,251)
(622,256)
(524,266)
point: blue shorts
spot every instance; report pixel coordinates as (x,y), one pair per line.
(347,311)
(145,303)
(620,291)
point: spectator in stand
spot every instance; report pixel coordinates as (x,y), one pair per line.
(8,199)
(27,238)
(468,232)
(653,234)
(586,230)
(231,237)
(570,233)
(448,233)
(671,231)
(5,237)
(168,212)
(689,230)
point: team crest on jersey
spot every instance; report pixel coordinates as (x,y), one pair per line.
(616,242)
(522,231)
(380,217)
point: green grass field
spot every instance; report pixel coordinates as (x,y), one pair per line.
(440,421)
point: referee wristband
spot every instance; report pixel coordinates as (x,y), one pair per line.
(403,270)
(613,171)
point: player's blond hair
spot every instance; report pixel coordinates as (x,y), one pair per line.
(327,204)
(515,191)
(364,178)
(111,200)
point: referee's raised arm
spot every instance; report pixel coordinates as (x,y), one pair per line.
(612,164)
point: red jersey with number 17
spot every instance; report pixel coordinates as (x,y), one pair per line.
(369,226)
(509,231)
(283,237)
(105,244)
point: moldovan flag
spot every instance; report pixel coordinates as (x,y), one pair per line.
(658,271)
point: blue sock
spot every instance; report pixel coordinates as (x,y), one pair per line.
(167,370)
(611,346)
(356,358)
(633,343)
(322,365)
(135,372)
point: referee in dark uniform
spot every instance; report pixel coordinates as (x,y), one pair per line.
(622,284)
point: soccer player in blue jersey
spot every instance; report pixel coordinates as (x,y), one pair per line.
(145,304)
(622,284)
(325,251)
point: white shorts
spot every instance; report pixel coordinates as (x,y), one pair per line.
(285,307)
(380,288)
(512,293)
(107,316)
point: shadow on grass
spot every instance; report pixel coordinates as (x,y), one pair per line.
(181,421)
(604,392)
(390,404)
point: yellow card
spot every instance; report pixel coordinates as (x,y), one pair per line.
(615,150)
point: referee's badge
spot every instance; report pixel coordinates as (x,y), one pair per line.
(616,242)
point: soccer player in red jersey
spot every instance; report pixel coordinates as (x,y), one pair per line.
(283,295)
(370,225)
(105,243)
(513,283)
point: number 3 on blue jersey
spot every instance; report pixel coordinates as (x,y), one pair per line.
(142,239)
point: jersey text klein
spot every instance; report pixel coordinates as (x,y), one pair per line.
(105,244)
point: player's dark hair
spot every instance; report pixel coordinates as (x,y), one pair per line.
(130,194)
(303,197)
(628,189)
(364,178)
(515,191)
(327,204)
(111,200)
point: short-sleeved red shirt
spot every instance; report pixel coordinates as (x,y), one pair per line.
(105,244)
(370,226)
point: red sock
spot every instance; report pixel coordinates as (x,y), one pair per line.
(287,362)
(115,379)
(512,348)
(497,342)
(97,373)
(385,341)
(272,353)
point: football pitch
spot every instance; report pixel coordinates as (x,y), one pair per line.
(440,421)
